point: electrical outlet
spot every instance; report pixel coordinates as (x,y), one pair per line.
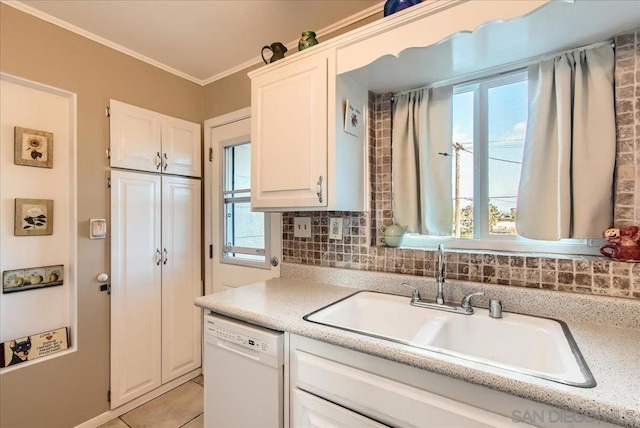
(302,227)
(335,228)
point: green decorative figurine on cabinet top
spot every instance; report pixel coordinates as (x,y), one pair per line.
(307,40)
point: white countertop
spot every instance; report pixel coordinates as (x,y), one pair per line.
(612,353)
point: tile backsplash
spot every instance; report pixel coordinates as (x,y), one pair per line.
(361,247)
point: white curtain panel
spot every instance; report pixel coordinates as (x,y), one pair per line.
(422,198)
(566,186)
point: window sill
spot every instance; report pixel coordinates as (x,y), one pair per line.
(517,245)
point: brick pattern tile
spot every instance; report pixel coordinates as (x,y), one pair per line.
(627,84)
(361,246)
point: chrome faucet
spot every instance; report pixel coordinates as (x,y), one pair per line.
(463,308)
(440,275)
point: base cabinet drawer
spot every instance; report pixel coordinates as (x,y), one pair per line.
(398,395)
(384,399)
(309,411)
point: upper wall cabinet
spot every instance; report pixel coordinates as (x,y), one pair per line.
(289,136)
(148,141)
(299,162)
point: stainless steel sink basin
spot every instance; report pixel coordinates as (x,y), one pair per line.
(534,346)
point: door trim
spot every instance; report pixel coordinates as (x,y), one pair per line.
(225,119)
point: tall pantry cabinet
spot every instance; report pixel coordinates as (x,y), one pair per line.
(155,250)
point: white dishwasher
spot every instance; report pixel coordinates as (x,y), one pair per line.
(243,375)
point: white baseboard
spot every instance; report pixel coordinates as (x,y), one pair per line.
(112,414)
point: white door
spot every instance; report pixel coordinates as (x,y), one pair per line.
(136,285)
(181,147)
(239,244)
(181,277)
(289,112)
(135,137)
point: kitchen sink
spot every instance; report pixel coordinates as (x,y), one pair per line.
(535,346)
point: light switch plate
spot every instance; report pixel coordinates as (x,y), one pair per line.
(97,228)
(335,228)
(302,227)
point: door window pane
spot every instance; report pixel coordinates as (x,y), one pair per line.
(244,231)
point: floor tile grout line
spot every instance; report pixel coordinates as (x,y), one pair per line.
(125,422)
(191,420)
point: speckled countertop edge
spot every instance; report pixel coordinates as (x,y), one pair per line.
(281,303)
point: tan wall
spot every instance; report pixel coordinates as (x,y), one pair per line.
(66,391)
(69,390)
(234,91)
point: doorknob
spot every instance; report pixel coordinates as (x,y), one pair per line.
(274,261)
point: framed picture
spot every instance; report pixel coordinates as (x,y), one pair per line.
(32,278)
(33,217)
(29,348)
(33,147)
(353,119)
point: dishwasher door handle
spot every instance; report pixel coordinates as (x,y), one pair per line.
(237,349)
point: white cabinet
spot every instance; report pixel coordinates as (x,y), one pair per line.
(181,272)
(297,163)
(397,395)
(144,140)
(312,412)
(289,136)
(155,268)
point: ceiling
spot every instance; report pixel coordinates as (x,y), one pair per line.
(199,40)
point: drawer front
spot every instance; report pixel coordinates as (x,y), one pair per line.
(384,399)
(310,411)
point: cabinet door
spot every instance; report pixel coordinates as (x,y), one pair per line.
(135,287)
(181,277)
(181,148)
(135,139)
(289,136)
(310,411)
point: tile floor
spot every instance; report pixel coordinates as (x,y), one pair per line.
(182,407)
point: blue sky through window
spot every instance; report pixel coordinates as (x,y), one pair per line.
(506,117)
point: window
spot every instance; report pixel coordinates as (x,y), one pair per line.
(243,231)
(489,125)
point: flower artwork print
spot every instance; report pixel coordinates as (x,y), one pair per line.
(352,120)
(33,147)
(33,217)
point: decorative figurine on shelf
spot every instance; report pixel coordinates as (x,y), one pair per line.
(623,244)
(393,6)
(277,49)
(307,40)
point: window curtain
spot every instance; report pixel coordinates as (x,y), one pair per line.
(566,185)
(421,133)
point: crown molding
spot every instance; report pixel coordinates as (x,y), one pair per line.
(94,37)
(352,19)
(16,4)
